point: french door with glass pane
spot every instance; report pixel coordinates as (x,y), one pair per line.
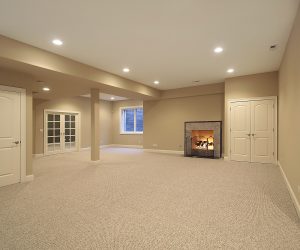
(61,132)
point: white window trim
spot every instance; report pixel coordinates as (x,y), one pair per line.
(122,132)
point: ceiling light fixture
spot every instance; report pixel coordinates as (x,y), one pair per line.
(112,98)
(230,70)
(46,89)
(156,82)
(126,70)
(57,42)
(218,50)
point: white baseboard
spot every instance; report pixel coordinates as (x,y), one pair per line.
(125,146)
(37,155)
(292,194)
(101,146)
(27,178)
(113,146)
(106,146)
(177,152)
(85,149)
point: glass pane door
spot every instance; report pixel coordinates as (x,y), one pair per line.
(61,132)
(53,132)
(70,132)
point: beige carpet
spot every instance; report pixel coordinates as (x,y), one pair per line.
(136,200)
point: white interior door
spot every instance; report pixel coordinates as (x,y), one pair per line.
(70,133)
(62,132)
(240,131)
(252,131)
(262,131)
(10,126)
(53,133)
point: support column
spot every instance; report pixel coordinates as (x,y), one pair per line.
(95,126)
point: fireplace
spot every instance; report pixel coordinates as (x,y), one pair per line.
(203,139)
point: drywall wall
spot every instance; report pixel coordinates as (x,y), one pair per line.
(289,114)
(124,139)
(164,119)
(82,105)
(258,85)
(20,80)
(217,88)
(53,68)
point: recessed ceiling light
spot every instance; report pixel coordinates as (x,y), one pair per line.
(46,89)
(230,70)
(218,50)
(112,98)
(156,82)
(57,42)
(126,70)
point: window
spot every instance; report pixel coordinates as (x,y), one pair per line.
(132,120)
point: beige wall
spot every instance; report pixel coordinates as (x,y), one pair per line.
(53,69)
(81,105)
(258,85)
(217,88)
(106,120)
(117,137)
(164,119)
(20,80)
(289,114)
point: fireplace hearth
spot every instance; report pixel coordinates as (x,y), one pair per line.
(203,139)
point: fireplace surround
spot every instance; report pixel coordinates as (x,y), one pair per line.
(203,139)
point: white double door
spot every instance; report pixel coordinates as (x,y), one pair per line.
(252,131)
(10,127)
(61,132)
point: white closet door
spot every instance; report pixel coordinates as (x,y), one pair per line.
(10,126)
(262,131)
(240,131)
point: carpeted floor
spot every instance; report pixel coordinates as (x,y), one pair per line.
(136,200)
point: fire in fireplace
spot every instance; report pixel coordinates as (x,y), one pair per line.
(203,140)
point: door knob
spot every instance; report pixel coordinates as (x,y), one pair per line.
(248,134)
(253,134)
(16,142)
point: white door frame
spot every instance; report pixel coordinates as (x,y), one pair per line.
(61,112)
(228,123)
(22,92)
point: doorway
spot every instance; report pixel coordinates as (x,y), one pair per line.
(253,130)
(12,135)
(61,131)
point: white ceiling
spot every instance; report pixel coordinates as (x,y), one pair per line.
(167,40)
(107,97)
